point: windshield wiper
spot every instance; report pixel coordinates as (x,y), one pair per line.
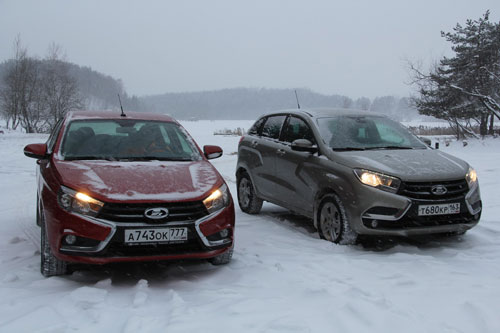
(89,158)
(153,158)
(347,148)
(388,147)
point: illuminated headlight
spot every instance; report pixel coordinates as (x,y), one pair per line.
(78,202)
(378,180)
(217,200)
(471,178)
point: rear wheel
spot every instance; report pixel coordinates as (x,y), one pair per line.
(49,264)
(333,224)
(247,199)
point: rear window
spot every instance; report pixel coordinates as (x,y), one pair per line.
(272,127)
(127,139)
(255,129)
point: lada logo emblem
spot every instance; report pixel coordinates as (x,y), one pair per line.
(156,213)
(439,190)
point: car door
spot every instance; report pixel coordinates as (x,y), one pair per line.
(295,184)
(264,165)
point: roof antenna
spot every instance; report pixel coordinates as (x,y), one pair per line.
(121,107)
(297,98)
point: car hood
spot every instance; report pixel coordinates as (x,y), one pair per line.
(409,165)
(140,181)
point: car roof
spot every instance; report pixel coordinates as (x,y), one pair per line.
(79,115)
(326,112)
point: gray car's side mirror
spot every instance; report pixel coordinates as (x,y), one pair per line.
(304,145)
(427,141)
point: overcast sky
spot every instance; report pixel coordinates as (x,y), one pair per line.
(354,48)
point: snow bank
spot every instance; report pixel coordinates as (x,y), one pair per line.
(283,278)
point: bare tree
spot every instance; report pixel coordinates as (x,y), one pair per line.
(36,94)
(20,97)
(59,89)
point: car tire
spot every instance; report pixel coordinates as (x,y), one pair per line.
(333,224)
(38,222)
(222,259)
(247,199)
(49,264)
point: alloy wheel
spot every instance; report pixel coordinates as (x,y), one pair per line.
(330,221)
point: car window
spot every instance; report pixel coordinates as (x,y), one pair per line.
(127,139)
(255,129)
(297,128)
(51,141)
(272,127)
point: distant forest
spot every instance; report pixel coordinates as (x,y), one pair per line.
(99,92)
(249,103)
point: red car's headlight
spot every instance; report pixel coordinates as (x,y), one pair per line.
(217,200)
(78,202)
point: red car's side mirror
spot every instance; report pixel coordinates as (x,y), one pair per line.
(36,150)
(212,152)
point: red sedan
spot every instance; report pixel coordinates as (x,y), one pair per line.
(134,187)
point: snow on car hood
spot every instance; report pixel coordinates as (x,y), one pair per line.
(409,165)
(140,181)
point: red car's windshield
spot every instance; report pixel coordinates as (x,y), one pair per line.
(127,139)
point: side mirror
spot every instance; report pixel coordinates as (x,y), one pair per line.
(304,145)
(36,150)
(427,141)
(212,152)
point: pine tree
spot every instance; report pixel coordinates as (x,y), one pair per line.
(465,88)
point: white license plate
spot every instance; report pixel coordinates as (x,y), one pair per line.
(165,235)
(439,209)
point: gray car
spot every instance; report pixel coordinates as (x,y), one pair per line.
(355,173)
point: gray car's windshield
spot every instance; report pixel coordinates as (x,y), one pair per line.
(127,139)
(356,132)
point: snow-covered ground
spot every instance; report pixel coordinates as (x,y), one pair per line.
(283,278)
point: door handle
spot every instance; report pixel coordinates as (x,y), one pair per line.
(280,152)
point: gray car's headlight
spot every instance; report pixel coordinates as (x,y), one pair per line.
(78,202)
(217,200)
(471,178)
(378,180)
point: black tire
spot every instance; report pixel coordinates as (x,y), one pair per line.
(247,199)
(38,221)
(222,259)
(333,224)
(49,264)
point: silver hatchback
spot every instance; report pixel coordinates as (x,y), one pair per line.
(355,173)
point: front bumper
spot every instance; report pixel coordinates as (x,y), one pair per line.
(401,218)
(102,241)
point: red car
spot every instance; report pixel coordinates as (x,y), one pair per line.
(134,187)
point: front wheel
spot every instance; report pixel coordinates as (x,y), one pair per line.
(49,264)
(247,199)
(333,224)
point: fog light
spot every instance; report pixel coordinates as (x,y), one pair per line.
(70,239)
(374,223)
(224,233)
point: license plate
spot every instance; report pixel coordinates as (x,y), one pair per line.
(439,209)
(163,235)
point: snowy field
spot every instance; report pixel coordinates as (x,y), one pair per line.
(283,278)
